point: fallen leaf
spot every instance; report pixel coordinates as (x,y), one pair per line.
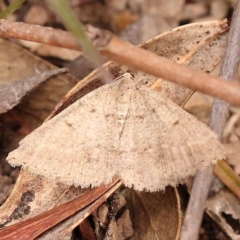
(80,67)
(12,93)
(42,102)
(154,215)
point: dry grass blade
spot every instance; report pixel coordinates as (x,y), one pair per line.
(33,227)
(223,171)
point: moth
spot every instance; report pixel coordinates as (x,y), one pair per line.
(123,130)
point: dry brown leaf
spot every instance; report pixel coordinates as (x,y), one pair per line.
(12,93)
(154,215)
(113,132)
(25,64)
(141,215)
(122,20)
(86,64)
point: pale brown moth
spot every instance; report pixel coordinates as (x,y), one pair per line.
(123,130)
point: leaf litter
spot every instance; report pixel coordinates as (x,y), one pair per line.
(120,130)
(25,181)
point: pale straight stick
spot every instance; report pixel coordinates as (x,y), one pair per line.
(218,118)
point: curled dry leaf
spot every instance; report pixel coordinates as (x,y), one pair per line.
(25,64)
(154,215)
(12,93)
(185,39)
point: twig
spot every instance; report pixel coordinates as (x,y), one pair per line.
(125,53)
(217,122)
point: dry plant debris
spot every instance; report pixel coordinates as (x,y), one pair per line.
(121,130)
(12,93)
(48,192)
(34,108)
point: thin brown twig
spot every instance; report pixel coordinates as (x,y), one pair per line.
(218,118)
(125,53)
